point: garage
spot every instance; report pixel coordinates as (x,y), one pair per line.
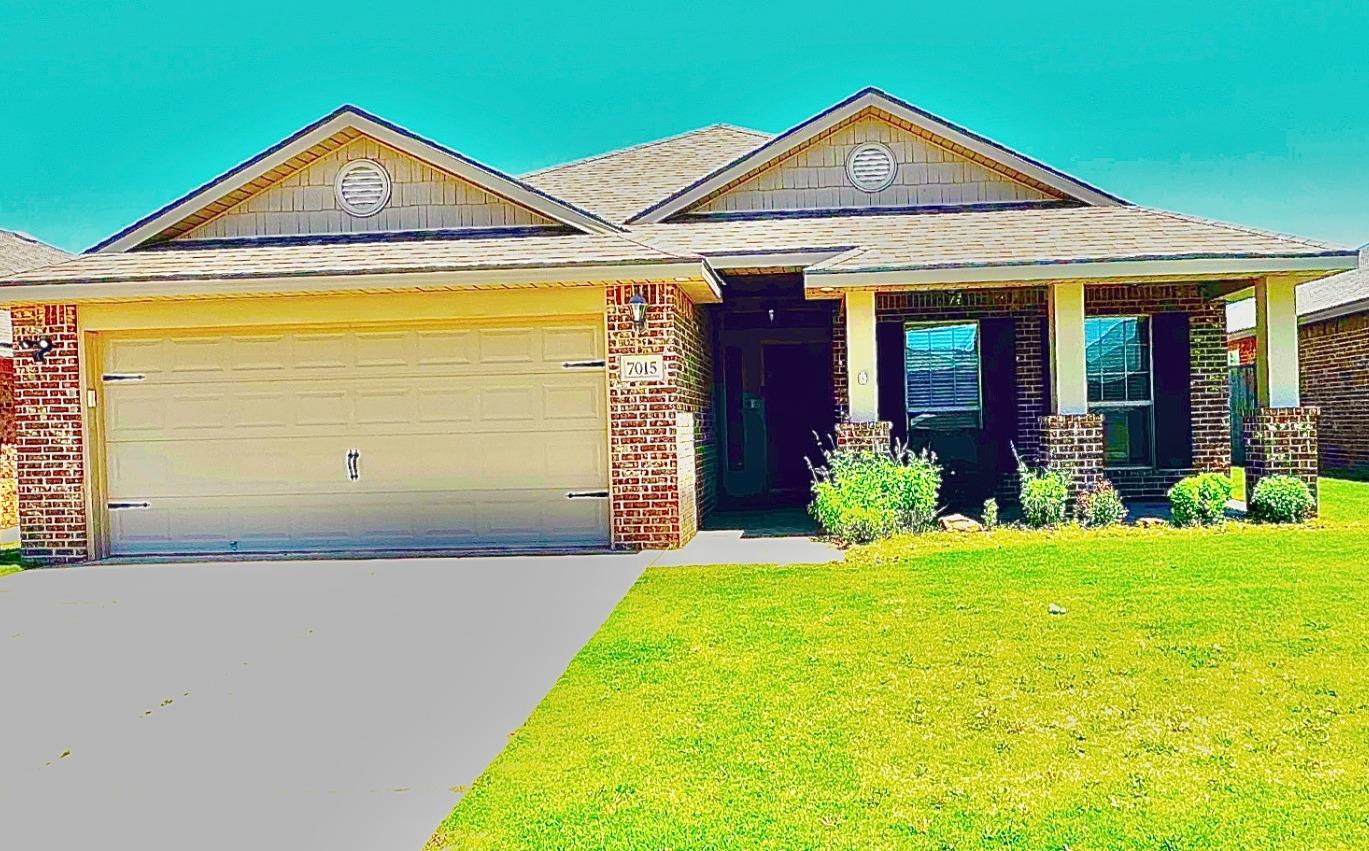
(355,438)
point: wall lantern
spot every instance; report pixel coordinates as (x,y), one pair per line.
(637,305)
(40,348)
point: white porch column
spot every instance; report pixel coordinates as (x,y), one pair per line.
(1276,342)
(862,377)
(1069,386)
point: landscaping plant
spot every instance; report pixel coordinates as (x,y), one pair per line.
(1044,495)
(863,495)
(1199,500)
(1100,505)
(990,513)
(1281,499)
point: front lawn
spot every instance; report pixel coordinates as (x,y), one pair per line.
(1202,689)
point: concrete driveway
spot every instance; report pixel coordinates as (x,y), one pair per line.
(274,705)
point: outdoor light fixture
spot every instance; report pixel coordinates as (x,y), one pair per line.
(40,348)
(637,304)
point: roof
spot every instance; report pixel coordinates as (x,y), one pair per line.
(279,258)
(20,252)
(619,183)
(313,140)
(1337,295)
(977,238)
(867,99)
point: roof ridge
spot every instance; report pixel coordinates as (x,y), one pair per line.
(640,145)
(1311,243)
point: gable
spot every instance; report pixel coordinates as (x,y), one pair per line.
(438,168)
(778,175)
(304,202)
(930,171)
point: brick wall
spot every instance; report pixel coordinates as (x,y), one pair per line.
(861,436)
(1244,349)
(9,497)
(48,416)
(1073,444)
(1282,441)
(1334,359)
(661,454)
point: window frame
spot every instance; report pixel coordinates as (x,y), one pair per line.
(978,410)
(1130,404)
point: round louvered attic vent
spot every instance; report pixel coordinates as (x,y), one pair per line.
(871,166)
(363,187)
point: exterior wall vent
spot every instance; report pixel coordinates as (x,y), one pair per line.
(363,187)
(871,166)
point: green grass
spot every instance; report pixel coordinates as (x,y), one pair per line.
(10,561)
(1204,689)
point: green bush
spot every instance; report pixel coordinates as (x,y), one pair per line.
(1100,505)
(1199,500)
(990,513)
(861,496)
(1045,495)
(1281,499)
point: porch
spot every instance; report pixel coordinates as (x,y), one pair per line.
(1103,379)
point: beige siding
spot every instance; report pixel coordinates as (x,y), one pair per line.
(814,177)
(422,197)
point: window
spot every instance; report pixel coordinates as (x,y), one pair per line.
(941,376)
(1117,363)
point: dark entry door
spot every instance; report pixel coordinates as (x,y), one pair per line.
(798,410)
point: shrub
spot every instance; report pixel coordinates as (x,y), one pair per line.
(1199,500)
(860,496)
(1281,499)
(1100,505)
(990,513)
(1045,494)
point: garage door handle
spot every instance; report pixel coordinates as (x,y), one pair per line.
(587,495)
(353,464)
(583,364)
(124,505)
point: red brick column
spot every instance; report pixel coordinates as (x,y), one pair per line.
(1282,441)
(1073,445)
(9,505)
(48,420)
(659,431)
(864,435)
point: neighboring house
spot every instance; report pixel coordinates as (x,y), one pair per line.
(19,252)
(1333,348)
(363,339)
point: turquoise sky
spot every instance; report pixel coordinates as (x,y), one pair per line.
(1253,112)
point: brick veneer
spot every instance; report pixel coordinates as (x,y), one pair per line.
(1282,440)
(1210,415)
(1334,358)
(1073,444)
(9,453)
(48,416)
(862,436)
(660,446)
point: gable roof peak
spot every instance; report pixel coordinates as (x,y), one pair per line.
(345,117)
(872,97)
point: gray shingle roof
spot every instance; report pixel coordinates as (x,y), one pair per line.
(20,252)
(620,183)
(1347,292)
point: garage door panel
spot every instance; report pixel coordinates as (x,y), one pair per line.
(467,437)
(436,520)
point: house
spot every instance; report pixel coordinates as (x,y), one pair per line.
(361,338)
(1333,350)
(19,252)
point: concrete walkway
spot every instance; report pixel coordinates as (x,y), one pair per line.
(274,705)
(771,536)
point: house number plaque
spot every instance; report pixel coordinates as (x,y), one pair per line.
(641,368)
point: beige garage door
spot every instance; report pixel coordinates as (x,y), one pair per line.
(301,439)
